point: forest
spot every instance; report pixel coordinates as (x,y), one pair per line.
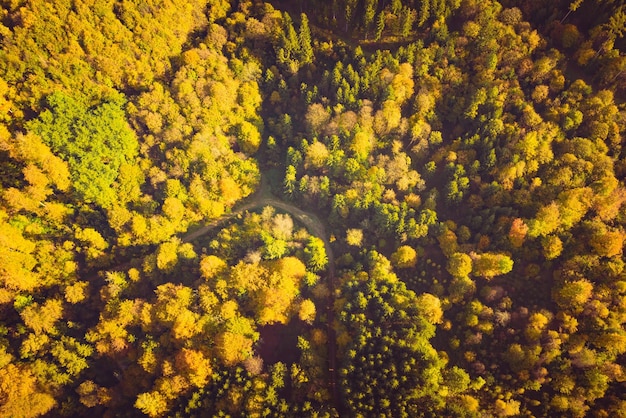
(323,208)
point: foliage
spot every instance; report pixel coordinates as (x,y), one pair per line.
(393,208)
(94,140)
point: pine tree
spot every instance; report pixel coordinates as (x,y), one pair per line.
(380,26)
(368,15)
(304,38)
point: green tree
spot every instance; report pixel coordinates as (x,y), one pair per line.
(380,26)
(368,15)
(315,253)
(94,140)
(304,38)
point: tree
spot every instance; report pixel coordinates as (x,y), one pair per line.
(354,237)
(616,26)
(93,243)
(248,136)
(457,380)
(289,184)
(429,306)
(233,348)
(17,258)
(552,246)
(94,141)
(404,257)
(43,318)
(608,244)
(572,295)
(317,118)
(518,232)
(489,265)
(316,155)
(230,190)
(152,403)
(167,256)
(537,323)
(448,242)
(92,395)
(304,38)
(459,265)
(350,7)
(194,365)
(407,18)
(212,266)
(508,408)
(391,368)
(77,292)
(315,253)
(380,26)
(574,5)
(306,312)
(546,221)
(368,15)
(20,394)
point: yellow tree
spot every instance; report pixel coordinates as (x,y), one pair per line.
(573,295)
(233,348)
(152,404)
(212,266)
(537,323)
(489,265)
(20,395)
(404,257)
(306,312)
(16,258)
(546,221)
(316,155)
(608,243)
(429,306)
(167,255)
(92,243)
(552,246)
(354,237)
(92,394)
(459,265)
(194,366)
(230,190)
(448,242)
(43,318)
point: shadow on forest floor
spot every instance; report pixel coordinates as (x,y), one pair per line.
(279,343)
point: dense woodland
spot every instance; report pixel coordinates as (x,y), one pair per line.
(390,208)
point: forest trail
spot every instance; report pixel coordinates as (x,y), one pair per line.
(261,198)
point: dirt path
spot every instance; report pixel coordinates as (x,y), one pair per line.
(262,198)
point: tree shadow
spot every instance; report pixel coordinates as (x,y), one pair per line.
(279,343)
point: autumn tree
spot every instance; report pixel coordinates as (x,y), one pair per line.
(488,265)
(21,394)
(459,265)
(404,257)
